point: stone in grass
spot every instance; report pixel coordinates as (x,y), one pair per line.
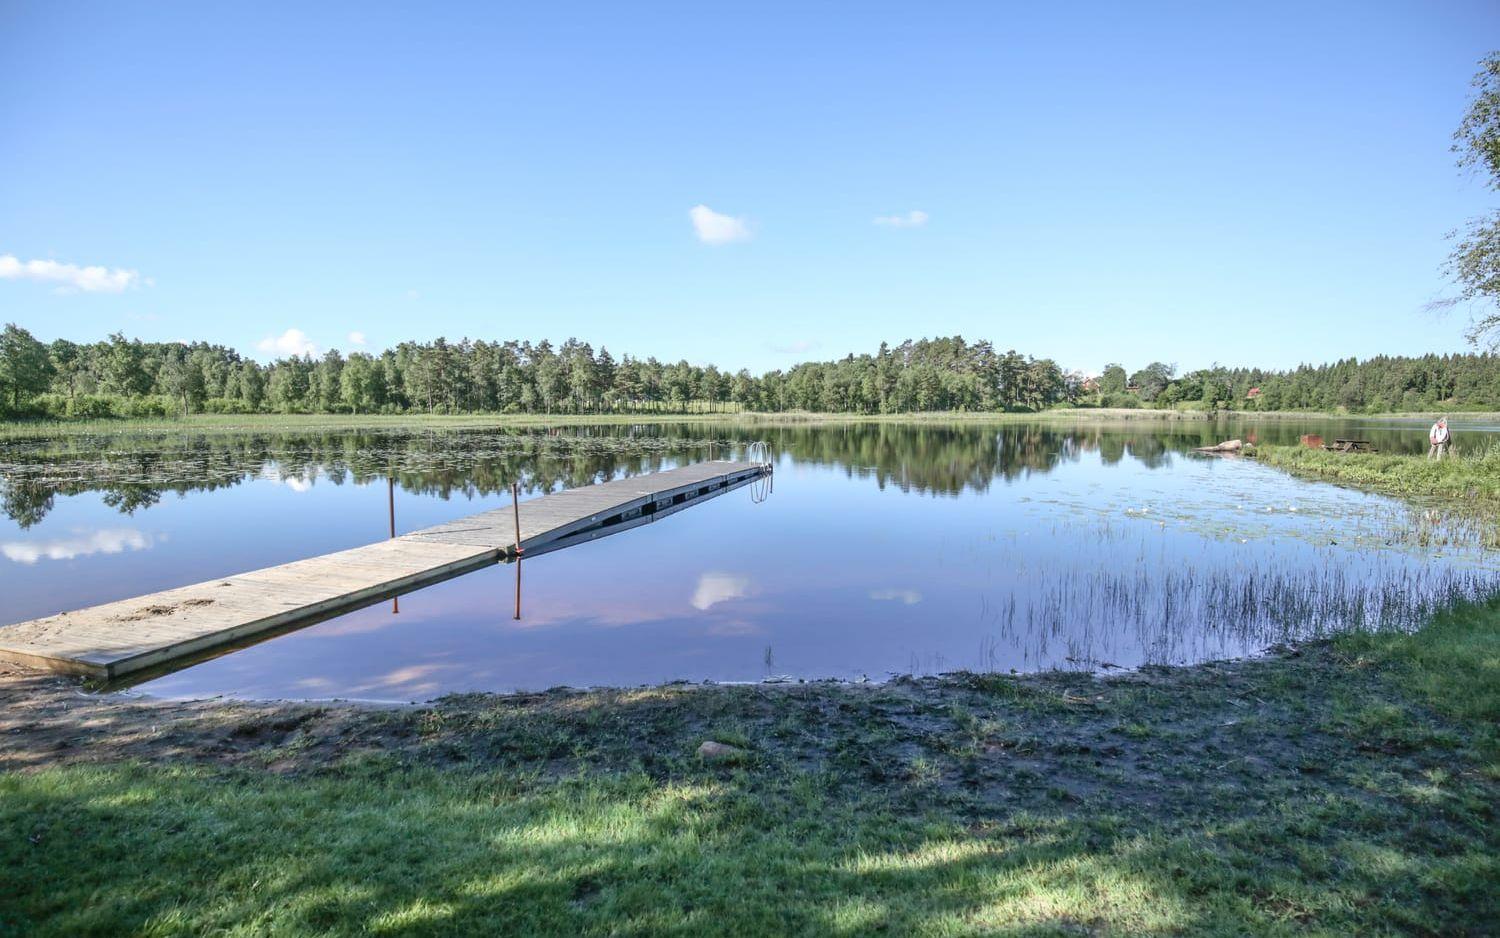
(712,751)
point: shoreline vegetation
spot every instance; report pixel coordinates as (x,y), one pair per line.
(1341,786)
(120,377)
(1468,474)
(30,427)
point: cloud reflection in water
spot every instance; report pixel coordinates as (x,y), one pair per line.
(715,588)
(81,544)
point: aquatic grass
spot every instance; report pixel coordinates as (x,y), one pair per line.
(1104,618)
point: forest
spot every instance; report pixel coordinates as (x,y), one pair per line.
(121,377)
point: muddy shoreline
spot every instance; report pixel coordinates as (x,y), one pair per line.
(1057,723)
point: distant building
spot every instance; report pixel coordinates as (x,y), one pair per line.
(1253,393)
(1090,385)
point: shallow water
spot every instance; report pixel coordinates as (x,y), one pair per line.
(883,548)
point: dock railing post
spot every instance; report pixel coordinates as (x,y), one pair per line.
(515,504)
(390,505)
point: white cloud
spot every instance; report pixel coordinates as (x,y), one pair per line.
(905,597)
(715,588)
(713,228)
(70,277)
(290,342)
(915,218)
(356,338)
(413,295)
(796,347)
(106,541)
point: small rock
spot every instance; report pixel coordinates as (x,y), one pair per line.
(719,752)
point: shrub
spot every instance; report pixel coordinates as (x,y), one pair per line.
(94,406)
(226,405)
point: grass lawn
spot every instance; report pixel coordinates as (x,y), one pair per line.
(1468,474)
(1341,788)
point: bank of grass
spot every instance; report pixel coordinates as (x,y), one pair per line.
(1469,473)
(1345,788)
(299,422)
(1452,666)
(19,429)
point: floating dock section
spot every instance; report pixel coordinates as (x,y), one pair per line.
(118,638)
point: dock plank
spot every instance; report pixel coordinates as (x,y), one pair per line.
(116,638)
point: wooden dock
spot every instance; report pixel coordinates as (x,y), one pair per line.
(118,638)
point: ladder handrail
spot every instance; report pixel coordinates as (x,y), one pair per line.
(759,452)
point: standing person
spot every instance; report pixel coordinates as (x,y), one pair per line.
(1440,439)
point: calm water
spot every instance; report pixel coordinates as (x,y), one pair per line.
(883,549)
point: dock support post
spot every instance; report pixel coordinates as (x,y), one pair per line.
(515,507)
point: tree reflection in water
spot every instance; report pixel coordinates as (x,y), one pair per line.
(134,470)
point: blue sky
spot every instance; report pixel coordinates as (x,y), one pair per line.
(1250,183)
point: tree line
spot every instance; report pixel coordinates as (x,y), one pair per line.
(121,377)
(1383,384)
(128,377)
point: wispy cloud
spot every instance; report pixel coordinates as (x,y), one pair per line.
(915,218)
(796,347)
(290,342)
(904,597)
(71,277)
(356,338)
(714,228)
(106,541)
(715,588)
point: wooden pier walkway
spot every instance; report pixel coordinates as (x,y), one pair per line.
(117,638)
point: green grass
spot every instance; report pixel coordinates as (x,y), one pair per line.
(1452,665)
(278,422)
(300,422)
(295,422)
(1342,790)
(1467,474)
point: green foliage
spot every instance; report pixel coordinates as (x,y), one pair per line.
(24,367)
(1452,665)
(1475,261)
(924,376)
(1152,380)
(517,377)
(1464,475)
(1383,384)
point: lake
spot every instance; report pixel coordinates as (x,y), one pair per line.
(880,548)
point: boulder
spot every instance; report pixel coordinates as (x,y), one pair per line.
(1228,446)
(711,751)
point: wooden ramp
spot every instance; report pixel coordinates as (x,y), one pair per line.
(118,638)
